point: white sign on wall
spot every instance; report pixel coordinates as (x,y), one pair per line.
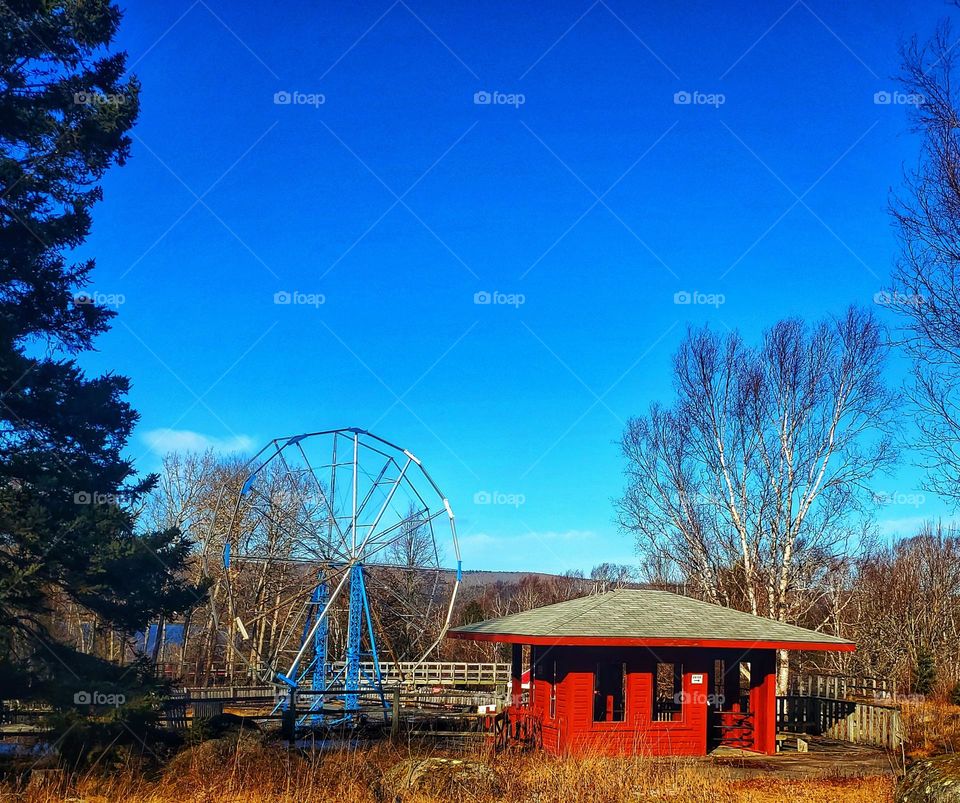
(696,680)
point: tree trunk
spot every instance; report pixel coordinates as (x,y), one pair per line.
(783,671)
(158,642)
(184,641)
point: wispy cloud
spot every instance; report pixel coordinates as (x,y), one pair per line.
(163,441)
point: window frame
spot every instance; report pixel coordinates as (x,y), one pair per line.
(679,677)
(623,694)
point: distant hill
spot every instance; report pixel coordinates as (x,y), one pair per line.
(481,577)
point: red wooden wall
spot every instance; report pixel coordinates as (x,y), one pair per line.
(572,729)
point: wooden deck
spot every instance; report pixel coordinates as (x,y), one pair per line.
(827,758)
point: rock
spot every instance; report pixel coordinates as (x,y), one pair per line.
(932,780)
(443,778)
(211,755)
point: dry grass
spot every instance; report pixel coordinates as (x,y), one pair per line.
(931,727)
(243,770)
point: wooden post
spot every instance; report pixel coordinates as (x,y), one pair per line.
(395,719)
(290,717)
(516,673)
(763,700)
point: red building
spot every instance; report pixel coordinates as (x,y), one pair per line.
(648,672)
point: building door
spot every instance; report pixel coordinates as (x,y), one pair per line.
(730,720)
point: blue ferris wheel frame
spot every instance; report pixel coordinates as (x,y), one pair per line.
(358,676)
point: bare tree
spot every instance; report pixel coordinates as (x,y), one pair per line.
(179,501)
(611,576)
(926,289)
(903,605)
(748,486)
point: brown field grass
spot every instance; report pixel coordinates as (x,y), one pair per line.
(245,770)
(931,727)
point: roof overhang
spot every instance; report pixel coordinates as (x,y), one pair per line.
(604,641)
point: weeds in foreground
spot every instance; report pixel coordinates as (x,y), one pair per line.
(931,727)
(243,769)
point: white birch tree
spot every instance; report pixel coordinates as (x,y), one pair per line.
(748,487)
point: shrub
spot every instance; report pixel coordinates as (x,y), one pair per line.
(955,695)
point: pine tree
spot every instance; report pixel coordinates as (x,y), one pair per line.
(925,672)
(67,531)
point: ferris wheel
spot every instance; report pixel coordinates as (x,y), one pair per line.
(334,556)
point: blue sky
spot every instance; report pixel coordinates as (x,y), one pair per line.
(583,195)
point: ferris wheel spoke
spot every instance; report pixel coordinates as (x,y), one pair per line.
(289,632)
(386,504)
(291,673)
(319,487)
(409,612)
(331,515)
(293,537)
(373,487)
(397,532)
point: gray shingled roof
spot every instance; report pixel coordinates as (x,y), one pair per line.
(644,614)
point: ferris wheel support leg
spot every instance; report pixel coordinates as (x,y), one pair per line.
(376,678)
(351,678)
(321,596)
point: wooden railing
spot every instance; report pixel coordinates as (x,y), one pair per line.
(444,673)
(841,687)
(433,673)
(846,720)
(255,693)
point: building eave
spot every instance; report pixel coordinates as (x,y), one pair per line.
(618,641)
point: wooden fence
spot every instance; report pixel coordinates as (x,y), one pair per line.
(846,720)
